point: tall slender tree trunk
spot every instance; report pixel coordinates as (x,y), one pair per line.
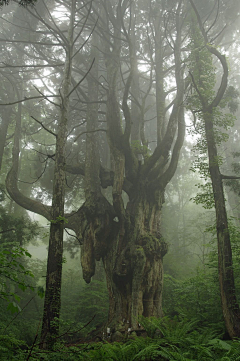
(52,302)
(230,307)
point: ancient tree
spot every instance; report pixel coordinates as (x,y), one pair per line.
(120,220)
(207,103)
(118,92)
(126,231)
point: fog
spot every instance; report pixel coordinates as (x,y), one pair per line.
(119,178)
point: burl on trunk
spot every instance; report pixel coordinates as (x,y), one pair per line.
(132,251)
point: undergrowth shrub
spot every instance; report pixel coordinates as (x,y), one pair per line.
(171,340)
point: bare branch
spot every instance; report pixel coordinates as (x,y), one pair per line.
(72,235)
(31,66)
(229,176)
(32,42)
(39,91)
(30,98)
(74,88)
(48,130)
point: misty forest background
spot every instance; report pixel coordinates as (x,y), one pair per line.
(124,89)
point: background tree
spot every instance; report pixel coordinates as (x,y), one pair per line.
(203,81)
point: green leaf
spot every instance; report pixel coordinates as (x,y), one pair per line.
(40,291)
(13,307)
(6,252)
(28,254)
(17,298)
(22,286)
(221,344)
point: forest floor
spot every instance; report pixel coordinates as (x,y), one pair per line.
(165,340)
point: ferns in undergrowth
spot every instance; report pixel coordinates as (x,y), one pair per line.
(161,348)
(172,331)
(171,340)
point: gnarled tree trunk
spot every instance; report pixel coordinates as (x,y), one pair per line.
(134,266)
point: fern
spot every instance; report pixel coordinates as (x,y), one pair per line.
(153,352)
(113,352)
(171,331)
(133,348)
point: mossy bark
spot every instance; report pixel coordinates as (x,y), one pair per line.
(132,250)
(134,267)
(230,307)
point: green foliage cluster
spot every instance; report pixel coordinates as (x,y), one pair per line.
(205,196)
(15,275)
(138,148)
(16,230)
(13,272)
(203,76)
(201,70)
(59,219)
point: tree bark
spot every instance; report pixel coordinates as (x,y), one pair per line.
(230,307)
(132,245)
(52,302)
(133,265)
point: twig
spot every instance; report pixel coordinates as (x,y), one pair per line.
(81,79)
(72,235)
(46,97)
(30,98)
(48,130)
